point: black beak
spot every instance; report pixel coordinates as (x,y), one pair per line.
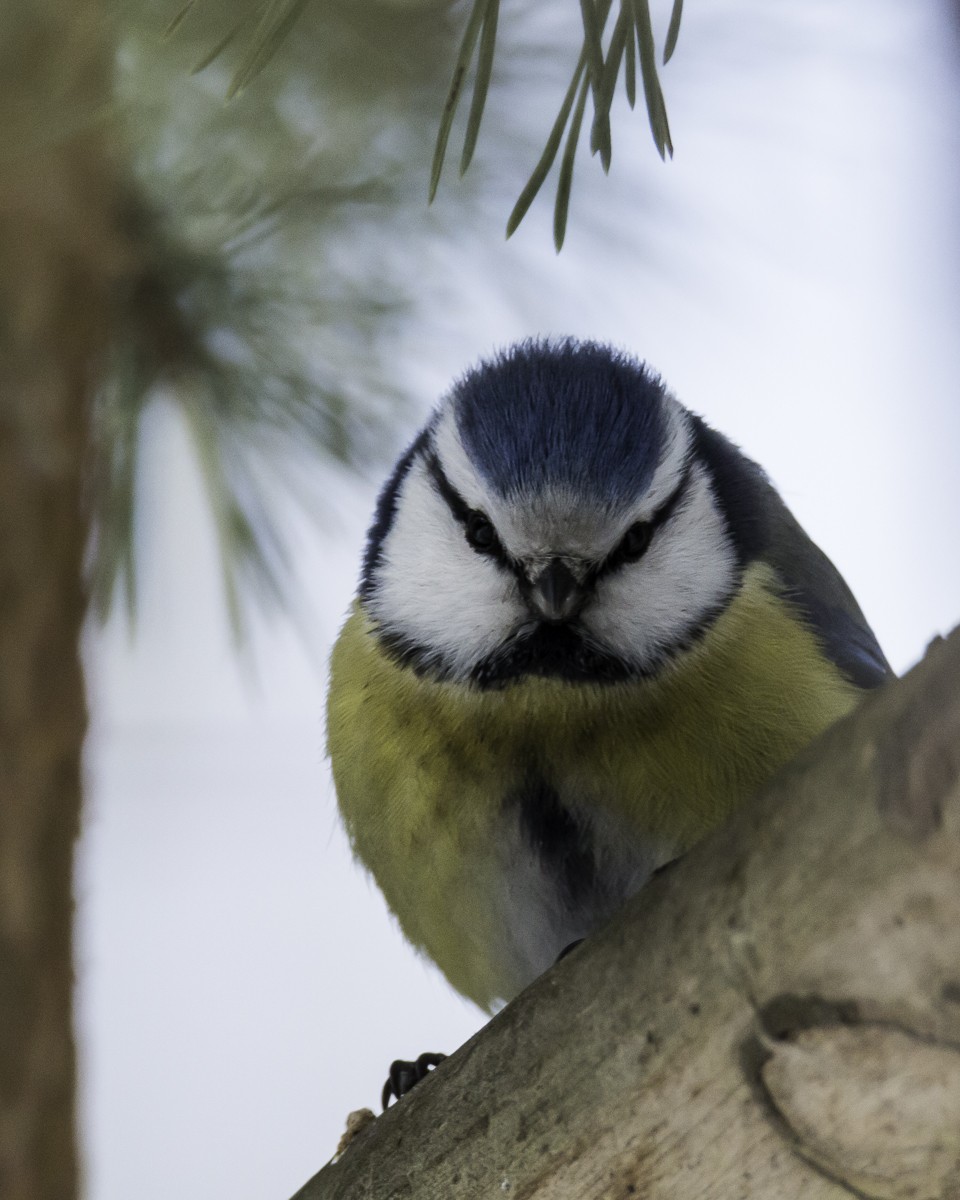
(556,595)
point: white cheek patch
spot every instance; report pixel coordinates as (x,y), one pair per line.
(644,608)
(433,589)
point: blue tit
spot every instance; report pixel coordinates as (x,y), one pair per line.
(588,628)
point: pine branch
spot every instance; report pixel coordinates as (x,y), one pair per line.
(262,29)
(269,286)
(600,73)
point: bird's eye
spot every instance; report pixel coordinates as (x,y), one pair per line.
(480,533)
(635,541)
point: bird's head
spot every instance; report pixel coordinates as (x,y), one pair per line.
(555,517)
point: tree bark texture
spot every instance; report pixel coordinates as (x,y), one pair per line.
(777,1016)
(57,254)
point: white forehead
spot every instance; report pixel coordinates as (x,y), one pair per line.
(558,520)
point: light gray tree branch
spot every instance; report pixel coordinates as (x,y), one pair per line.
(777,1016)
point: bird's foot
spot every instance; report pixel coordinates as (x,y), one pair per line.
(406,1075)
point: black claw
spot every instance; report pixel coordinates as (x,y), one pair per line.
(406,1075)
(566,950)
(667,865)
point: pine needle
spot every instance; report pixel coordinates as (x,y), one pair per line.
(592,43)
(115,471)
(603,96)
(460,69)
(542,169)
(630,55)
(673,31)
(219,48)
(656,108)
(270,34)
(488,41)
(178,20)
(565,181)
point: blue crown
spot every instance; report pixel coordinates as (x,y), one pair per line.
(572,414)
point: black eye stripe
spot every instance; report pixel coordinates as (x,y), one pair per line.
(454,501)
(617,557)
(481,534)
(635,541)
(468,517)
(464,514)
(669,506)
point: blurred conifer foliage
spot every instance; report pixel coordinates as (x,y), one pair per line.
(265,285)
(273,149)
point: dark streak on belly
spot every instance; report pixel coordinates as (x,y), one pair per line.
(560,840)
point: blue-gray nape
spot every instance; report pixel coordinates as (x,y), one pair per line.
(571,414)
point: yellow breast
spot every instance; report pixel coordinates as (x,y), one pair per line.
(422,768)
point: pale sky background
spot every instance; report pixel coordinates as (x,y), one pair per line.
(793,275)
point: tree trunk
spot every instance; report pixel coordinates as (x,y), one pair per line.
(57,254)
(776,1017)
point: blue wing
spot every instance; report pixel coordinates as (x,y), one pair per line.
(814,585)
(763,528)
